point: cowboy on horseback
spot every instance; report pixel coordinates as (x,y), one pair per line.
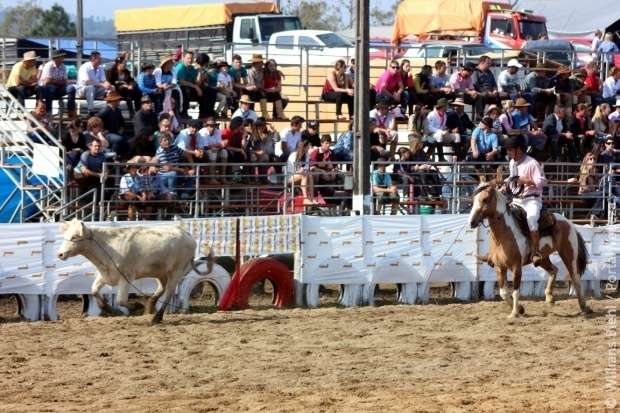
(527,174)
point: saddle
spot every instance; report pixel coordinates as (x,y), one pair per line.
(546,222)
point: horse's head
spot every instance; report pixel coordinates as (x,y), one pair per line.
(485,203)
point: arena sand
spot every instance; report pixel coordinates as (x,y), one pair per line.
(432,358)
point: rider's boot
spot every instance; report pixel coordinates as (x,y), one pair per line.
(534,248)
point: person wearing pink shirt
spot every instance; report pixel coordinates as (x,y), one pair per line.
(462,84)
(391,84)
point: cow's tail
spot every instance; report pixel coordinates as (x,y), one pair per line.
(210,259)
(582,254)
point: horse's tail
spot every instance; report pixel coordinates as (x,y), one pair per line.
(582,253)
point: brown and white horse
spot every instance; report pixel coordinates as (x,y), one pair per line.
(509,247)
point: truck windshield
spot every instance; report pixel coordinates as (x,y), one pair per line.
(333,40)
(271,25)
(531,30)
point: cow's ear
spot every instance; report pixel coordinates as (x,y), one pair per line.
(63,227)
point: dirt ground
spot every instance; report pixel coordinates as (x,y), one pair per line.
(441,357)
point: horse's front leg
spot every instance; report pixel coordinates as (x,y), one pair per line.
(517,309)
(501,282)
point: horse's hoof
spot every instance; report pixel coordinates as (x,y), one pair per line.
(550,301)
(587,311)
(521,310)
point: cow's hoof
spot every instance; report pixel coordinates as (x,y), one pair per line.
(135,307)
(550,301)
(156,320)
(587,311)
(521,310)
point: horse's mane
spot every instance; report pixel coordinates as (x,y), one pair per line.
(481,187)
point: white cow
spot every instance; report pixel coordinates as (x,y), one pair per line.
(123,255)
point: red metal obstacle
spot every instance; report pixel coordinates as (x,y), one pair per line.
(237,295)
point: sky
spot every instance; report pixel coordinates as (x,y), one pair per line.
(106,8)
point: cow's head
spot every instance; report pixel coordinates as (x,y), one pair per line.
(76,235)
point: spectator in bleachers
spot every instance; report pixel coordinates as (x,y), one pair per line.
(171,111)
(148,179)
(311,134)
(256,85)
(261,146)
(43,126)
(592,84)
(458,121)
(89,171)
(538,91)
(390,85)
(91,82)
(436,132)
(239,75)
(272,82)
(245,111)
(343,149)
(416,122)
(321,162)
(508,81)
(440,82)
(383,189)
(268,136)
(207,81)
(187,79)
(114,123)
(589,183)
(74,142)
(291,136)
(24,76)
(526,125)
(484,143)
(607,49)
(129,189)
(506,120)
(486,86)
(421,88)
(350,71)
(148,85)
(54,84)
(225,91)
(163,127)
(166,80)
(410,91)
(493,112)
(563,88)
(254,148)
(462,85)
(94,132)
(120,77)
(215,151)
(168,155)
(233,140)
(144,126)
(600,121)
(192,143)
(298,172)
(338,88)
(557,131)
(611,86)
(403,170)
(582,129)
(609,153)
(384,129)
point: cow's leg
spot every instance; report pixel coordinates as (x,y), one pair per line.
(169,288)
(517,309)
(552,270)
(150,305)
(122,296)
(101,301)
(501,283)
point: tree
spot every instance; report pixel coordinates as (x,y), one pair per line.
(55,23)
(19,20)
(378,17)
(314,14)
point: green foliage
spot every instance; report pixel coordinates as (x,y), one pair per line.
(315,14)
(54,23)
(28,19)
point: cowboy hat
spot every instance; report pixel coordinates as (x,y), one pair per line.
(257,58)
(113,96)
(441,103)
(491,108)
(517,141)
(458,102)
(165,60)
(514,63)
(617,103)
(58,53)
(521,103)
(245,99)
(30,55)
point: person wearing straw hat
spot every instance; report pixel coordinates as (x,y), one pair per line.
(54,83)
(91,82)
(114,123)
(23,79)
(563,89)
(244,111)
(256,85)
(458,122)
(436,132)
(166,82)
(508,81)
(526,124)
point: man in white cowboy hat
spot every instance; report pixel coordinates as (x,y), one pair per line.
(244,111)
(459,122)
(91,81)
(54,83)
(508,81)
(22,82)
(256,86)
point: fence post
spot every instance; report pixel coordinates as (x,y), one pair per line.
(307,87)
(197,194)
